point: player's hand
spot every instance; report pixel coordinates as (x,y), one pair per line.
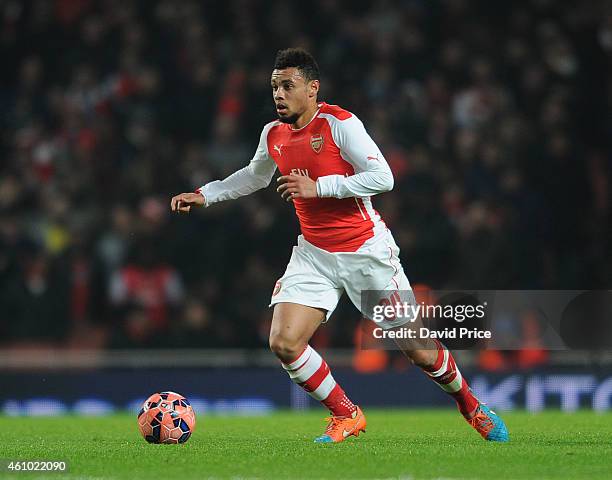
(296,186)
(182,203)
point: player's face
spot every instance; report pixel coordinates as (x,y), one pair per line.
(292,93)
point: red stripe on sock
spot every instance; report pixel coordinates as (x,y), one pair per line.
(311,384)
(449,374)
(305,362)
(466,401)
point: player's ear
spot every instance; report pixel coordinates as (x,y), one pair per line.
(314,88)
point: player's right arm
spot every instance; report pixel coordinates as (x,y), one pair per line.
(372,173)
(255,176)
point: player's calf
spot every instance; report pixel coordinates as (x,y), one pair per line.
(312,373)
(439,364)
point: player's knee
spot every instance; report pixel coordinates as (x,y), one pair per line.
(285,349)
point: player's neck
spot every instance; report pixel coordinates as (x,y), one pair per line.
(306,117)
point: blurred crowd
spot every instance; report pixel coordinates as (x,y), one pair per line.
(494,116)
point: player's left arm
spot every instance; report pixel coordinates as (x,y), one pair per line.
(372,173)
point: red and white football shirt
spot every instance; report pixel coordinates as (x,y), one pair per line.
(333,149)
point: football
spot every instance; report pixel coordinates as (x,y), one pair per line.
(166,417)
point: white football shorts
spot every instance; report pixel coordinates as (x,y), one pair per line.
(318,278)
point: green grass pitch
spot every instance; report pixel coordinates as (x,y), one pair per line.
(400,444)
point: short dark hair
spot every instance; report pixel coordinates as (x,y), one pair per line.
(300,59)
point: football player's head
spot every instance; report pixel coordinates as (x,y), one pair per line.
(295,83)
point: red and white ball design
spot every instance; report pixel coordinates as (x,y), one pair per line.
(166,417)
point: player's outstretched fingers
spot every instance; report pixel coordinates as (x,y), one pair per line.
(174,203)
(184,208)
(182,203)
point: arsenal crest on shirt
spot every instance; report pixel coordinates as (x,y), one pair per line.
(316,142)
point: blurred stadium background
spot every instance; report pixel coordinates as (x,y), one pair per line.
(494,116)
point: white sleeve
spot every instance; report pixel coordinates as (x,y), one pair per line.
(372,173)
(255,176)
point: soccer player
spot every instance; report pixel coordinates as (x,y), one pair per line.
(330,168)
